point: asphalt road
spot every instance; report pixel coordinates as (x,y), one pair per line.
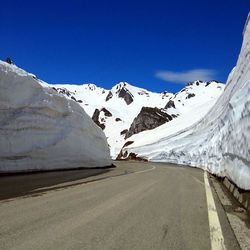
(134,206)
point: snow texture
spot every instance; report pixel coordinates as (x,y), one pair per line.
(219,142)
(42,130)
(125,102)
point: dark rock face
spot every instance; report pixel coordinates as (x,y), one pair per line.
(123,132)
(208,83)
(190,95)
(127,144)
(118,119)
(170,104)
(92,86)
(121,155)
(131,156)
(106,112)
(122,92)
(95,118)
(109,96)
(148,118)
(126,95)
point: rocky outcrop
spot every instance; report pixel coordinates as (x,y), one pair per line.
(123,132)
(109,96)
(126,95)
(190,95)
(170,104)
(106,112)
(148,118)
(122,92)
(95,118)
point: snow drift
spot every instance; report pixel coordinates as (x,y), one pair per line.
(41,129)
(219,142)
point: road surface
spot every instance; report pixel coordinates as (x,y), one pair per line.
(134,206)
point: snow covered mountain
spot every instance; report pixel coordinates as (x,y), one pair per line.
(126,110)
(41,129)
(219,142)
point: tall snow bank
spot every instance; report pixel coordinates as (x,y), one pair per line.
(220,142)
(41,129)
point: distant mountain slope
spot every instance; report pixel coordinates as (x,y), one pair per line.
(219,142)
(119,111)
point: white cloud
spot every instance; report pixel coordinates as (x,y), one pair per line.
(186,76)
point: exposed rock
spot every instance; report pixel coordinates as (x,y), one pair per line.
(126,95)
(121,155)
(123,132)
(127,144)
(131,156)
(106,112)
(143,93)
(92,86)
(190,95)
(211,82)
(109,96)
(148,118)
(95,118)
(170,104)
(118,119)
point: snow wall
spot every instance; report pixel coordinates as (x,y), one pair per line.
(42,130)
(220,142)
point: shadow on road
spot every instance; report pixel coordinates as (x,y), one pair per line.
(34,184)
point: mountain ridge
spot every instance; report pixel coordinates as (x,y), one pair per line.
(125,102)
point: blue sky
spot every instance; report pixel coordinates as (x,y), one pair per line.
(151,44)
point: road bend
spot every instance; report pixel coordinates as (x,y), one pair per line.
(133,206)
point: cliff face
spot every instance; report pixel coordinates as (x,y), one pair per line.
(41,129)
(220,141)
(147,119)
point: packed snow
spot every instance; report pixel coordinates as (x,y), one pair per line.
(192,101)
(219,142)
(42,130)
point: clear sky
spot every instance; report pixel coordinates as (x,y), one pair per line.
(158,45)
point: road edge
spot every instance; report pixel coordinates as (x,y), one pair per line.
(216,235)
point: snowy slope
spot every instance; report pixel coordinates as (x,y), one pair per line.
(124,102)
(41,129)
(189,111)
(91,97)
(219,142)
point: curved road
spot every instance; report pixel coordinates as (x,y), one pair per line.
(134,206)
